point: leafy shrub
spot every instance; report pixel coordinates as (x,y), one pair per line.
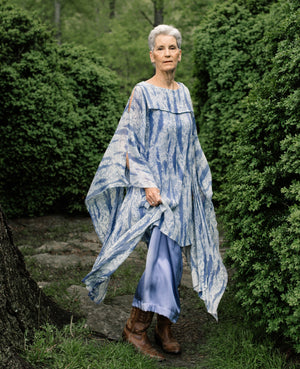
(59,107)
(228,61)
(263,213)
(254,135)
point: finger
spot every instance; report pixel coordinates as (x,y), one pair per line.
(151,201)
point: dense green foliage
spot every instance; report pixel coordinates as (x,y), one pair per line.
(228,60)
(59,108)
(248,68)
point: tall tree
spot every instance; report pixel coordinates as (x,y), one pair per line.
(158,12)
(57,20)
(112,8)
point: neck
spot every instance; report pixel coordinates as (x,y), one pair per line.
(164,79)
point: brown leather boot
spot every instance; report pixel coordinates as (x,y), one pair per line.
(135,333)
(164,337)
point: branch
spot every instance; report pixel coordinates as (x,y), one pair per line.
(147,18)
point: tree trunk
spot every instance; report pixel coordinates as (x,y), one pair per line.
(158,12)
(23,305)
(112,8)
(57,20)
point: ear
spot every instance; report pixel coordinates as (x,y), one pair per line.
(152,57)
(179,59)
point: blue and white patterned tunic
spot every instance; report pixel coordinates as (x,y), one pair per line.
(158,131)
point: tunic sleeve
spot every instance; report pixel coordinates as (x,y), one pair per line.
(107,188)
(140,174)
(106,192)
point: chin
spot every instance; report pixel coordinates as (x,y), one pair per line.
(170,67)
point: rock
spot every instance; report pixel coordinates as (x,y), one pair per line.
(22,248)
(108,318)
(63,261)
(92,237)
(43,284)
(53,246)
(90,246)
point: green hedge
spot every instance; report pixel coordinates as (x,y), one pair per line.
(228,61)
(257,162)
(59,108)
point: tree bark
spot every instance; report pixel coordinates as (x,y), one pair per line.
(23,305)
(158,12)
(57,20)
(112,8)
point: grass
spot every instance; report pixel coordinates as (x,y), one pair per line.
(233,343)
(234,347)
(74,347)
(228,346)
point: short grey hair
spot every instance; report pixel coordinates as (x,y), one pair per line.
(164,29)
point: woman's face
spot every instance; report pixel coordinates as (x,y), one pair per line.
(166,53)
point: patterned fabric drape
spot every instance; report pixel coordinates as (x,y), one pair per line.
(159,134)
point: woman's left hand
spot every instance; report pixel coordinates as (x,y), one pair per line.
(153,196)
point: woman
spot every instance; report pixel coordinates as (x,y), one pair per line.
(156,156)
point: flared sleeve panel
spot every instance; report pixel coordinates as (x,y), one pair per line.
(138,127)
(107,189)
(106,192)
(209,275)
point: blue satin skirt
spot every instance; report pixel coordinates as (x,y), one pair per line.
(157,289)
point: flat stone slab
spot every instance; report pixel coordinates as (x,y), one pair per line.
(107,318)
(91,236)
(86,245)
(52,246)
(62,261)
(60,247)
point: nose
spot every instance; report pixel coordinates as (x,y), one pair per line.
(167,52)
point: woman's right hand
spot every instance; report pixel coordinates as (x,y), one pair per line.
(153,196)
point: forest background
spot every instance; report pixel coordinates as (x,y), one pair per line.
(118,30)
(63,93)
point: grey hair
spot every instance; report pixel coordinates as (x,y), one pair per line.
(164,29)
